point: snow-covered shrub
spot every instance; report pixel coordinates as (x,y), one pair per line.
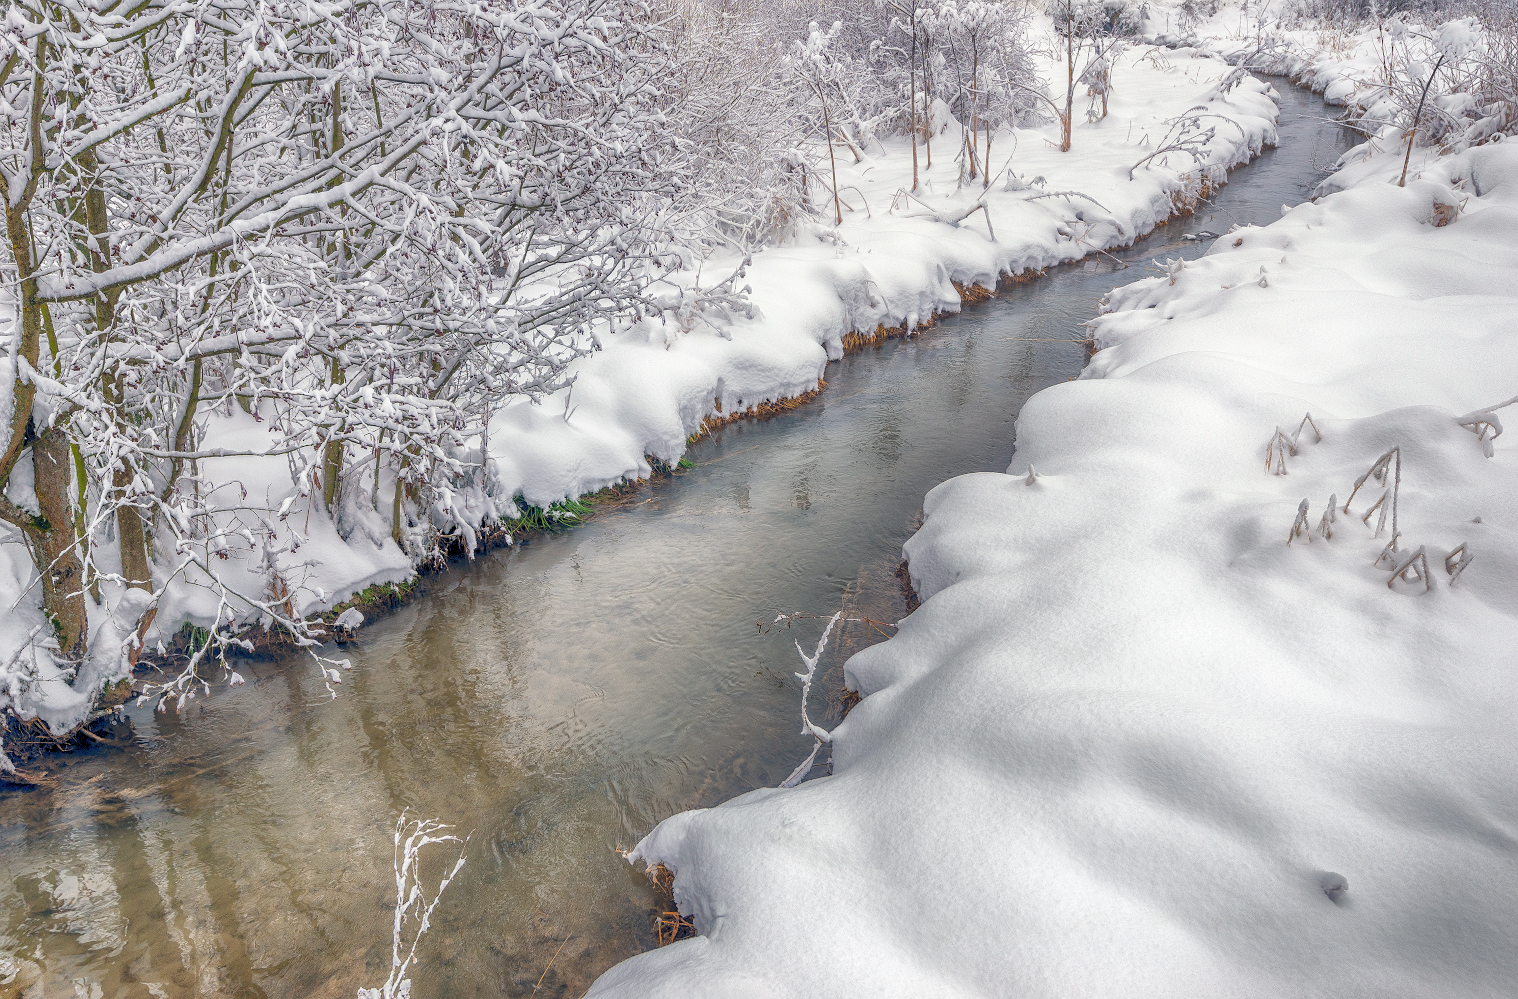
(1448,71)
(1192,13)
(738,122)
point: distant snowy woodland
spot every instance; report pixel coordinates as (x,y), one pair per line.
(1211,694)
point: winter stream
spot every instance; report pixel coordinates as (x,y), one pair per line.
(555,701)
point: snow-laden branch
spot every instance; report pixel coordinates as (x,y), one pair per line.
(809,727)
(413,909)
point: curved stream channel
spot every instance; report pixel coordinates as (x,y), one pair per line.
(557,700)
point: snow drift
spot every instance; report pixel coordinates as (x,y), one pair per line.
(1146,736)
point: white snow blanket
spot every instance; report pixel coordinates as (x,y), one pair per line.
(1135,743)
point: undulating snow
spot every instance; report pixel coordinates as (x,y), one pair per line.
(1135,743)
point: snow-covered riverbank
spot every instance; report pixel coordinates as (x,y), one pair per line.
(1145,736)
(894,261)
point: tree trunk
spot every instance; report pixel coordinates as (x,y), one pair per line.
(912,63)
(332,471)
(1069,120)
(397,528)
(54,546)
(50,536)
(135,566)
(332,453)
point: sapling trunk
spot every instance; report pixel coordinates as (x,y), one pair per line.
(986,173)
(1068,121)
(912,69)
(974,102)
(927,102)
(1417,116)
(827,128)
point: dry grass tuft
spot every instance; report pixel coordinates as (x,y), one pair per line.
(974,294)
(761,411)
(669,925)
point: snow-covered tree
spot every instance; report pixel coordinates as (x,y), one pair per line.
(365,223)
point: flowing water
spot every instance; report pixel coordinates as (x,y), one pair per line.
(554,701)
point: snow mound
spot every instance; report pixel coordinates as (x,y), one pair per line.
(1164,726)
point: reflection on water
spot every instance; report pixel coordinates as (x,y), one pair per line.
(557,700)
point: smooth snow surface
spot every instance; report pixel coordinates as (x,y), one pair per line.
(1134,743)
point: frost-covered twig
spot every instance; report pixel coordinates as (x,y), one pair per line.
(1281,445)
(1482,420)
(1387,470)
(1299,527)
(1330,517)
(1456,561)
(411,902)
(1276,451)
(1415,563)
(1186,135)
(808,727)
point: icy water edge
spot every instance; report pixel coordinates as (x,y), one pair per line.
(556,700)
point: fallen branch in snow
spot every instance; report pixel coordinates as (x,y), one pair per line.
(1069,194)
(1077,194)
(818,733)
(953,218)
(411,902)
(790,619)
(719,303)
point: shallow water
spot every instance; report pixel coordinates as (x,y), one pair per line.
(555,701)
